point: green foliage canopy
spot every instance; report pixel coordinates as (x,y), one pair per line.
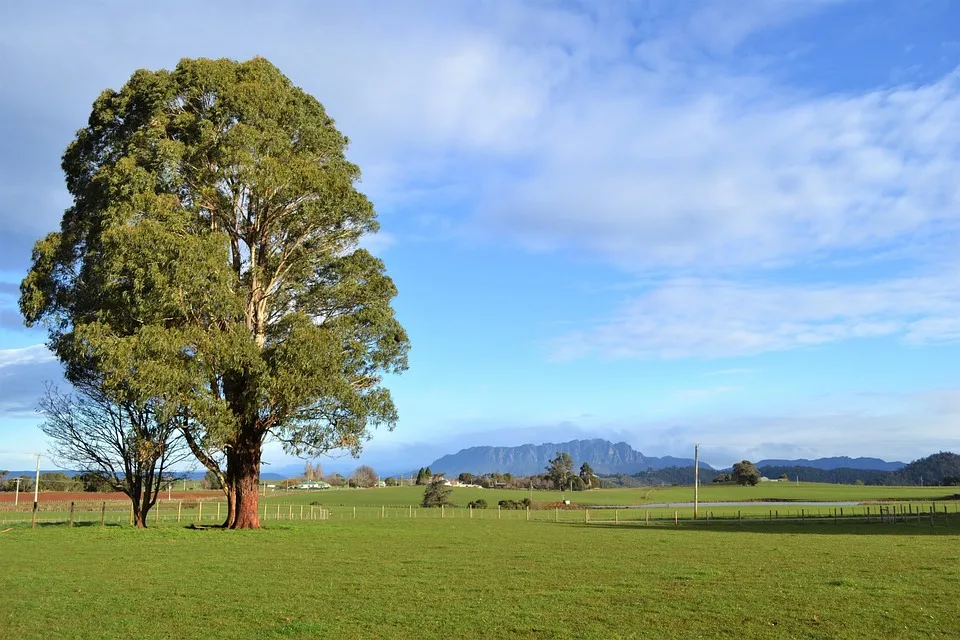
(745,472)
(437,494)
(560,470)
(210,260)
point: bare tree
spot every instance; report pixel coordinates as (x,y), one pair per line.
(365,476)
(130,446)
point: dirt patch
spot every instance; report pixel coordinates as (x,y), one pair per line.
(26,497)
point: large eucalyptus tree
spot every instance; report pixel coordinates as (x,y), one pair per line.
(210,266)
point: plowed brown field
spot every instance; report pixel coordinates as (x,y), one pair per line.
(6,497)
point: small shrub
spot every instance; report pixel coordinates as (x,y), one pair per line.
(478,504)
(515,504)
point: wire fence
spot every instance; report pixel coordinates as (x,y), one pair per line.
(204,512)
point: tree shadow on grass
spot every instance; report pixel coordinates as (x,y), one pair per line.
(942,526)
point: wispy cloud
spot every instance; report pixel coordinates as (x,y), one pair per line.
(35,354)
(23,373)
(713,319)
(739,173)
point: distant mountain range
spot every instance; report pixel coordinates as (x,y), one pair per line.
(608,458)
(840,462)
(605,457)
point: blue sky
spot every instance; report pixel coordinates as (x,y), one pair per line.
(664,223)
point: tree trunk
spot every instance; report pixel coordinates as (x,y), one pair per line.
(139,515)
(244,463)
(231,492)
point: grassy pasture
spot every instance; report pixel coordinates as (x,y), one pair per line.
(433,578)
(805,491)
(401,502)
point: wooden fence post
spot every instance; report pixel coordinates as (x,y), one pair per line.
(71,513)
(383,512)
(441,512)
(301,512)
(354,513)
(179,509)
(218,511)
(528,513)
(199,511)
(103,513)
(676,518)
(290,514)
(616,516)
(131,513)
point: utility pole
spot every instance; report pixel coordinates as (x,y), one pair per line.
(696,480)
(36,489)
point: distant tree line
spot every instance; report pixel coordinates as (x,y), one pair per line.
(56,481)
(938,469)
(559,475)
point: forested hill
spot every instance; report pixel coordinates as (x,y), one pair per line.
(840,462)
(604,456)
(938,469)
(832,476)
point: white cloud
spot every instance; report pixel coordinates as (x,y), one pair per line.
(646,138)
(738,174)
(723,318)
(23,373)
(638,136)
(35,354)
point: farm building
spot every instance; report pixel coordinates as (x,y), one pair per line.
(312,485)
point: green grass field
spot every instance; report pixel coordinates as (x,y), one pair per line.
(432,578)
(401,502)
(805,491)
